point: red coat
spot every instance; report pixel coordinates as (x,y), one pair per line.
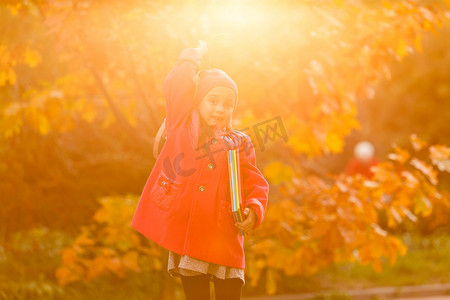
(185,205)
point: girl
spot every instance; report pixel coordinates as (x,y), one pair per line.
(185,205)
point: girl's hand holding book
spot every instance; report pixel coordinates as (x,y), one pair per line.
(249,221)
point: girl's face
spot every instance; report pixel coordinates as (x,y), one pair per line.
(216,107)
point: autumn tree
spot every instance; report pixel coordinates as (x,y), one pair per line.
(82,87)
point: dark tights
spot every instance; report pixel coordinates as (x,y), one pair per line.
(197,288)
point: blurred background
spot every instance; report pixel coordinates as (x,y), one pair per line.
(347,103)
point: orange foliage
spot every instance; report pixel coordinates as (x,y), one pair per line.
(112,59)
(316,225)
(320,223)
(103,62)
(109,245)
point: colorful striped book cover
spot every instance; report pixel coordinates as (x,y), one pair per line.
(235,184)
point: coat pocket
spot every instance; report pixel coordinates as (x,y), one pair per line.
(225,220)
(164,192)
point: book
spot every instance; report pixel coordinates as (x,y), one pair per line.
(234,173)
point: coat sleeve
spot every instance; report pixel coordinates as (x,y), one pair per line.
(255,187)
(179,87)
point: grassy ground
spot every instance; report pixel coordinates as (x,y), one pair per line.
(27,271)
(427,262)
(28,262)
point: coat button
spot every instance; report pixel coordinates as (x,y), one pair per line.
(214,141)
(163,183)
(211,166)
(201,188)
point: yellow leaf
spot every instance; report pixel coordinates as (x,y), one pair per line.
(334,142)
(3,78)
(10,126)
(53,109)
(87,109)
(411,180)
(417,143)
(396,215)
(43,125)
(293,263)
(13,109)
(377,266)
(66,276)
(401,50)
(387,5)
(12,76)
(418,43)
(398,246)
(157,264)
(427,25)
(427,170)
(69,256)
(395,247)
(108,252)
(409,214)
(400,155)
(101,216)
(38,120)
(115,266)
(32,57)
(423,206)
(440,157)
(278,172)
(84,240)
(320,229)
(97,267)
(348,235)
(7,75)
(14,9)
(130,261)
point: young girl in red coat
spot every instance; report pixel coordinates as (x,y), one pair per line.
(185,205)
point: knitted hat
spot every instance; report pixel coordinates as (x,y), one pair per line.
(208,79)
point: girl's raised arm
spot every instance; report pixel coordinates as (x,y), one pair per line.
(179,86)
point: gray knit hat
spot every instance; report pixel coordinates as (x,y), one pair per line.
(209,79)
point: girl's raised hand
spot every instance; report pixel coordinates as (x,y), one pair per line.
(249,221)
(202,47)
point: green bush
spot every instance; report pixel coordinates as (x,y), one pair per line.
(28,260)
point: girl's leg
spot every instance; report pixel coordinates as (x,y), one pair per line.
(228,289)
(196,287)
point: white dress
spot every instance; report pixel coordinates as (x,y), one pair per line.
(188,266)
